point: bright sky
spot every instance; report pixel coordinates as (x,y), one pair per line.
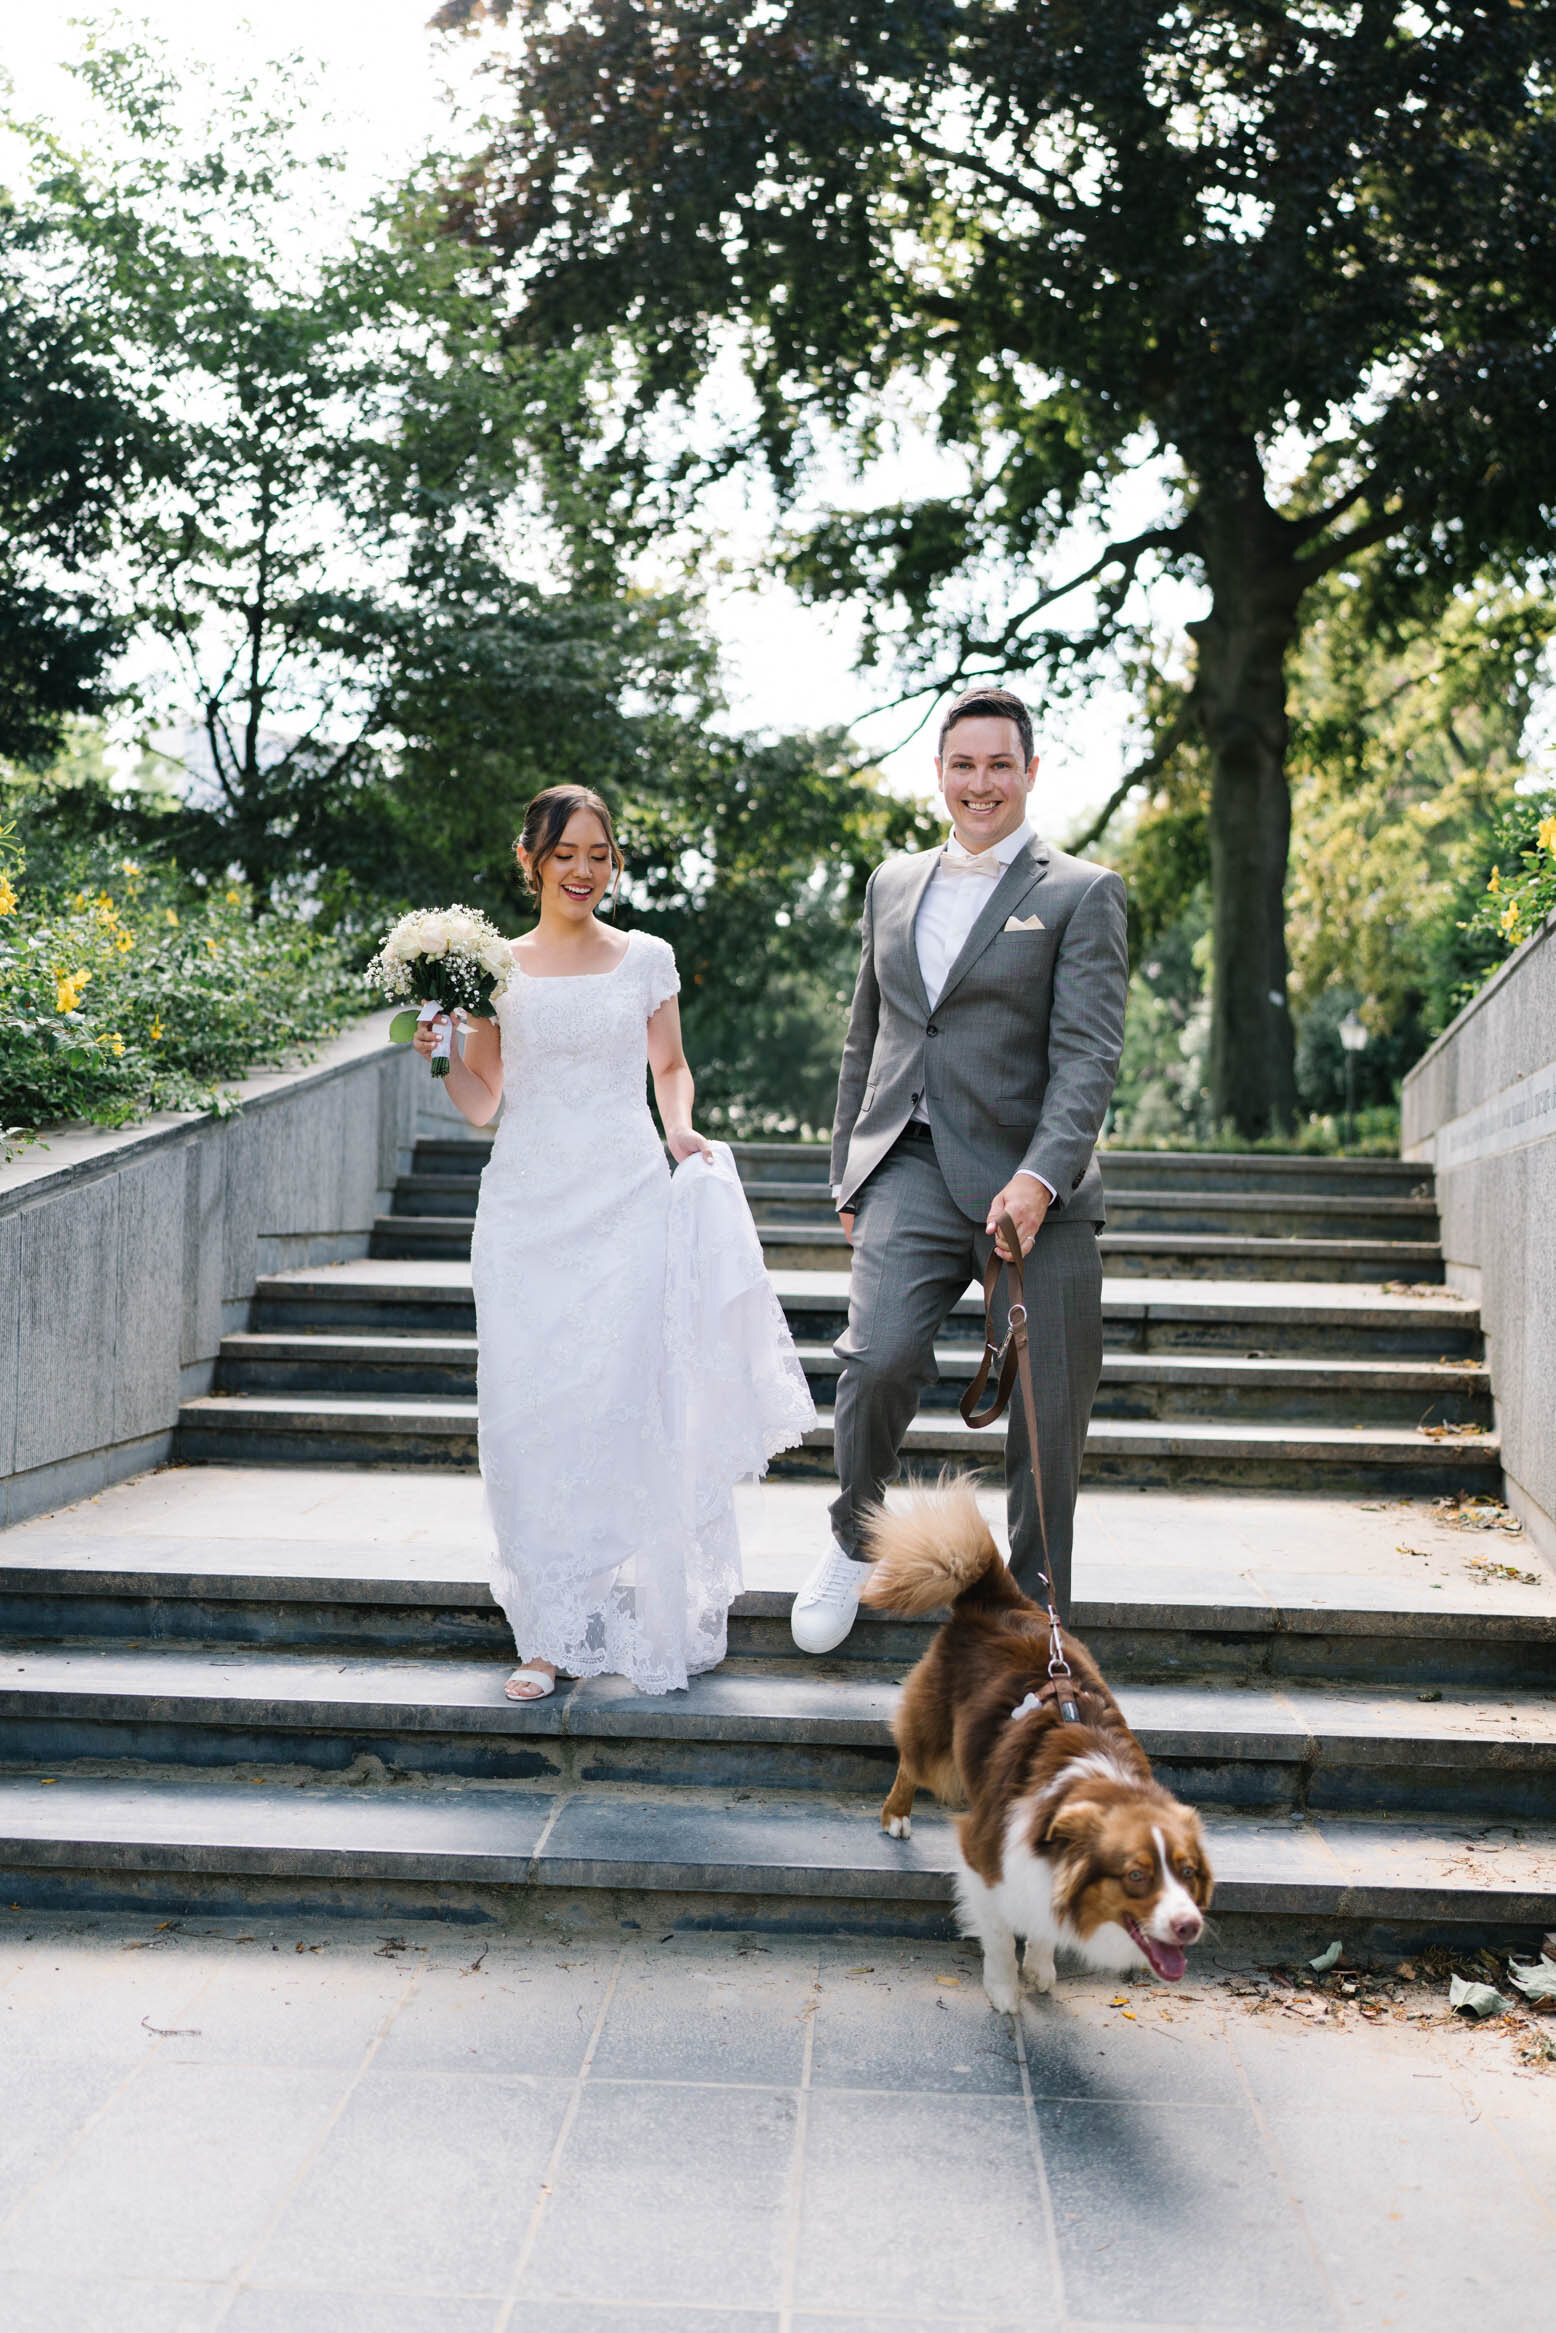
(386,79)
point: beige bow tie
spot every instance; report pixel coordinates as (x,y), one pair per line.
(956,861)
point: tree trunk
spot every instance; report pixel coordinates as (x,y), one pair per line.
(1240,698)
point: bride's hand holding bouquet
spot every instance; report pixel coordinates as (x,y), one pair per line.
(452,961)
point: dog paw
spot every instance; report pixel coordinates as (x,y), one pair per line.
(897,1826)
(1039,1972)
(1003,1996)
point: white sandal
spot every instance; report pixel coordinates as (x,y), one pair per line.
(543,1679)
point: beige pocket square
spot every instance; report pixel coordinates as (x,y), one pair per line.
(1026,923)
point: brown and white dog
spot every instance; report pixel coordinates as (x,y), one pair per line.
(1067,1839)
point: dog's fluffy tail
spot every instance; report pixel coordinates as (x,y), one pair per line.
(936,1549)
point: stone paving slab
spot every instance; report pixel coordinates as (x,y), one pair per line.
(298,2127)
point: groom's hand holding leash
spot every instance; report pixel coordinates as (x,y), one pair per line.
(1026,1201)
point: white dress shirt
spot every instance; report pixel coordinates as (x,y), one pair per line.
(955,895)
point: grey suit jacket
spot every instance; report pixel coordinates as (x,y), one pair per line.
(1017,1058)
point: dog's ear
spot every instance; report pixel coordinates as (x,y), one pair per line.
(1076,1824)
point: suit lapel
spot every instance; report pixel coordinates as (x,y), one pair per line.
(906,935)
(1025,872)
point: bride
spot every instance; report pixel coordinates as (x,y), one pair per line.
(633,1362)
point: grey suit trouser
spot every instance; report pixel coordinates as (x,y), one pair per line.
(914,1254)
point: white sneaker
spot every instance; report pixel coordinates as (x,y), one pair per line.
(825,1607)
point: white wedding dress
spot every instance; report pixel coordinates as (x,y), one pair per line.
(633,1360)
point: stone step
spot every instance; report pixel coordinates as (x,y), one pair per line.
(1189,1255)
(768,1724)
(1203,1171)
(1248,1317)
(1133,1384)
(1168,1386)
(1249,1171)
(1239,1215)
(365,1598)
(187,1843)
(430,1430)
(444,1197)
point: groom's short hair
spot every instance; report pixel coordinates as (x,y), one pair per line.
(990,704)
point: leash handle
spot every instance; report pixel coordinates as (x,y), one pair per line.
(1012,1355)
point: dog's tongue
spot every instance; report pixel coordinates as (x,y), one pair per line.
(1167,1960)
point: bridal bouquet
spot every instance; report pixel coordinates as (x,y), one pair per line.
(446,956)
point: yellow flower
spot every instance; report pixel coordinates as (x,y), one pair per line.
(105,900)
(235,898)
(7,895)
(1495,884)
(172,916)
(1507,921)
(78,899)
(211,944)
(114,1042)
(124,941)
(156,1027)
(1545,834)
(131,866)
(67,989)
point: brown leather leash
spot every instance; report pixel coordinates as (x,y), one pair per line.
(1013,1360)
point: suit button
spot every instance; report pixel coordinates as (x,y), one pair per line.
(931,1031)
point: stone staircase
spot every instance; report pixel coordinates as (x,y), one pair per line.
(270,1718)
(1256,1379)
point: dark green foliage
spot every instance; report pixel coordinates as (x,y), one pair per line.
(1471,937)
(1321,1057)
(1083,235)
(69,441)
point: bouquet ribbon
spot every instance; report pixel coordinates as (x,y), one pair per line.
(443,1043)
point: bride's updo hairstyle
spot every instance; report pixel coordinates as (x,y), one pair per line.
(545,823)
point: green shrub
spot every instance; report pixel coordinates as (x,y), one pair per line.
(1505,903)
(145,991)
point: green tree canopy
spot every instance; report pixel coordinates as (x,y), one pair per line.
(69,442)
(351,553)
(1287,275)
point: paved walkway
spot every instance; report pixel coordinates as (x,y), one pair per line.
(331,2129)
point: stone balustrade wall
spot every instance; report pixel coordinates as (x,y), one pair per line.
(125,1255)
(1481,1106)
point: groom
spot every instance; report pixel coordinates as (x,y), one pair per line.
(980,1058)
